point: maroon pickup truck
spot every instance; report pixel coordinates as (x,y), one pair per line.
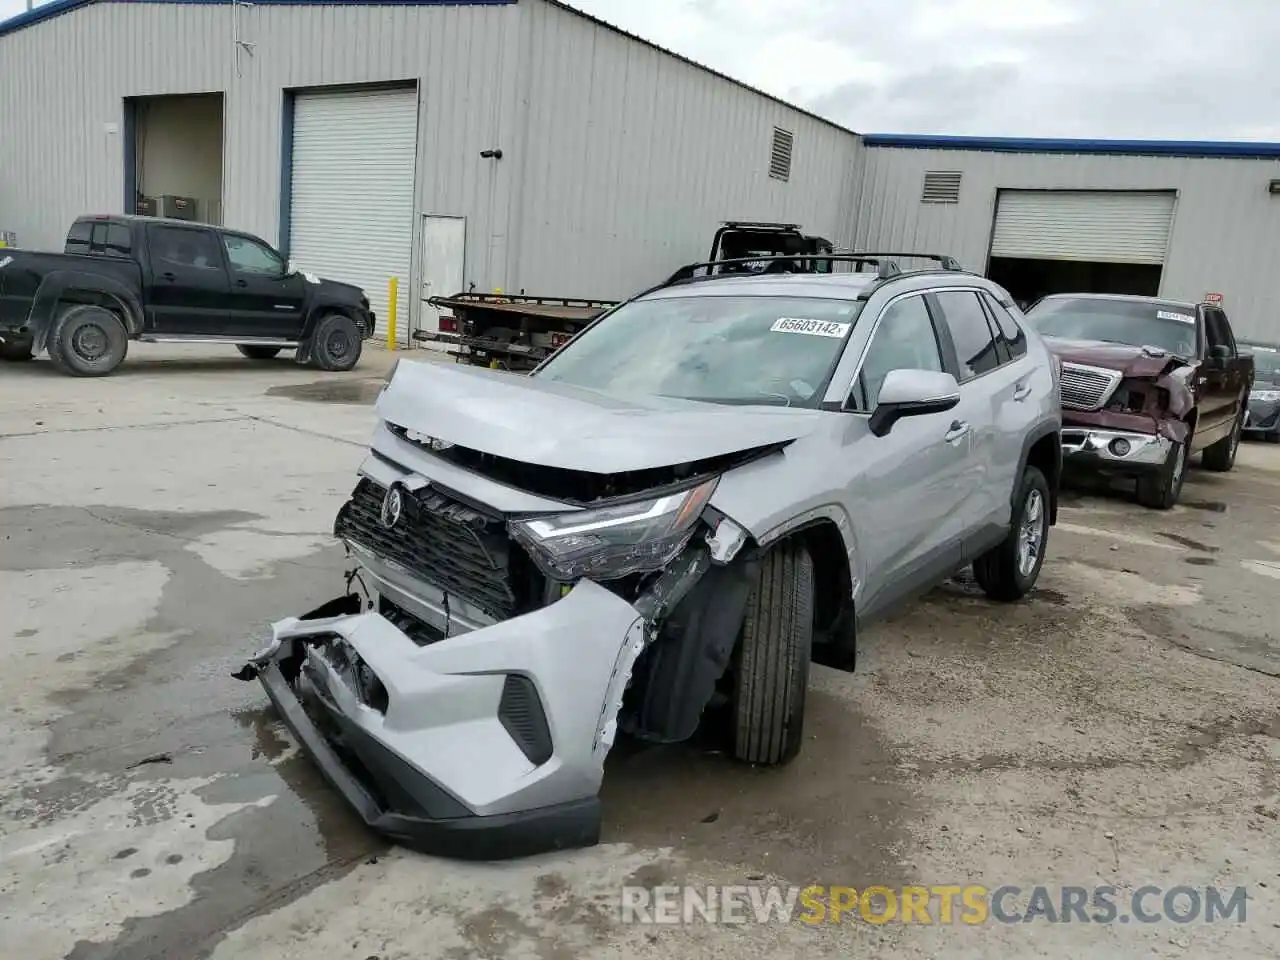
(1147,383)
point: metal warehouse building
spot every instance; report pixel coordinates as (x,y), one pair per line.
(1181,220)
(512,145)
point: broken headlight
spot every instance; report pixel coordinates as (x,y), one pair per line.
(610,542)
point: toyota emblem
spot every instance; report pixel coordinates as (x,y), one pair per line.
(392,507)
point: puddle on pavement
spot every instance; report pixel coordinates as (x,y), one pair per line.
(806,822)
(1187,542)
(329,391)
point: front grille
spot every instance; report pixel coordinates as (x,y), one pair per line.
(1087,388)
(463,552)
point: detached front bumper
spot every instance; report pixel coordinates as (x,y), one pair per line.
(483,746)
(1117,452)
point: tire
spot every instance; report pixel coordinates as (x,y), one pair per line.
(1008,571)
(772,674)
(1160,491)
(258,353)
(16,351)
(336,344)
(1221,457)
(88,341)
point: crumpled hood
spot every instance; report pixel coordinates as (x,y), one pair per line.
(554,425)
(1131,361)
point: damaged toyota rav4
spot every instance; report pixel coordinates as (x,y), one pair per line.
(714,485)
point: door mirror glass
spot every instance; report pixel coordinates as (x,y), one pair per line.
(912,393)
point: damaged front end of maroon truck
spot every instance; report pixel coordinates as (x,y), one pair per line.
(1144,386)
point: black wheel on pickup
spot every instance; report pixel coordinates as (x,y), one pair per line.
(336,343)
(258,353)
(772,672)
(88,341)
(1007,572)
(17,350)
(1161,490)
(1221,457)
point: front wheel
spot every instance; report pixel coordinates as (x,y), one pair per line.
(257,353)
(1161,490)
(1008,571)
(772,672)
(336,343)
(1221,457)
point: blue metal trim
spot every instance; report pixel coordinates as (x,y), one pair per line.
(55,8)
(1157,148)
(129,134)
(286,172)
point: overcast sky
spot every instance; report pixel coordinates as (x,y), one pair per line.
(1182,69)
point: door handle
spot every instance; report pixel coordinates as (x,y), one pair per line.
(1022,391)
(242,283)
(168,276)
(959,428)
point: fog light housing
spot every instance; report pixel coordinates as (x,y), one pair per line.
(1119,447)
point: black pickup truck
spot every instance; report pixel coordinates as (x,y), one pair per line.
(123,278)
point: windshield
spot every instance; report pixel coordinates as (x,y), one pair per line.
(1138,323)
(739,350)
(1266,361)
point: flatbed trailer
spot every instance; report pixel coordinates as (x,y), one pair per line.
(509,332)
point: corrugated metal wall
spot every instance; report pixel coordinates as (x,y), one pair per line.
(631,158)
(61,128)
(1226,228)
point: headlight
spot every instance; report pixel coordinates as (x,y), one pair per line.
(614,541)
(1267,396)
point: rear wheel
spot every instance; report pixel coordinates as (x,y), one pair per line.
(1221,457)
(258,353)
(336,343)
(88,341)
(1008,571)
(1160,491)
(772,674)
(15,351)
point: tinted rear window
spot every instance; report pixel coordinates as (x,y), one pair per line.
(78,237)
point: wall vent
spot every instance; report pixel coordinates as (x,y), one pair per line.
(780,158)
(941,186)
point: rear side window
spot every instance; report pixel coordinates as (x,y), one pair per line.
(970,331)
(110,240)
(185,247)
(78,237)
(1012,337)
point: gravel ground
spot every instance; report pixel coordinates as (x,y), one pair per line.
(1118,729)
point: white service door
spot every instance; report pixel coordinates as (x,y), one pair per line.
(1099,226)
(444,242)
(351,205)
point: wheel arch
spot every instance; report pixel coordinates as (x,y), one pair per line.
(1042,449)
(65,288)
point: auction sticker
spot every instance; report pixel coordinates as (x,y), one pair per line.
(1181,317)
(815,328)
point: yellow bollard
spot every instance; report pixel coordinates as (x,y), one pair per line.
(393,296)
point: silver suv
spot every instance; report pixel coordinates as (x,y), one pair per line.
(715,484)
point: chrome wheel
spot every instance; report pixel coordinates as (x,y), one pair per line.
(1031,534)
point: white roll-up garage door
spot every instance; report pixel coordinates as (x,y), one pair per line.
(351,205)
(1118,226)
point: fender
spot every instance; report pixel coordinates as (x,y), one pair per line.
(1045,428)
(56,285)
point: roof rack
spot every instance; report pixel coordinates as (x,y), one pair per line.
(945,261)
(885,268)
(759,224)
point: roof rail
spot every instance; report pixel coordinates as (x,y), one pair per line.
(758,224)
(885,268)
(945,261)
